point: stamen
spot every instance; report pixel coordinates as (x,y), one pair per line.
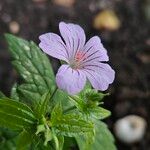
(76,62)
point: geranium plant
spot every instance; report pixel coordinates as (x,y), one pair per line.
(44,112)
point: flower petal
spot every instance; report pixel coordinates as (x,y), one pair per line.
(53,45)
(100,75)
(94,50)
(72,81)
(74,37)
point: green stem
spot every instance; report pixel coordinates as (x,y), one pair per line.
(53,93)
(69,109)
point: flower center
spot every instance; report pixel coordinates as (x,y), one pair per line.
(76,63)
(79,56)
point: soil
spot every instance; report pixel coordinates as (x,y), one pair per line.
(128,48)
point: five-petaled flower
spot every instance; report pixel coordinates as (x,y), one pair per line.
(84,60)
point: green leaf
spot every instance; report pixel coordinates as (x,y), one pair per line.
(14,93)
(69,124)
(61,97)
(69,142)
(61,142)
(93,95)
(8,145)
(88,109)
(15,115)
(57,112)
(103,139)
(24,139)
(78,102)
(7,139)
(33,66)
(42,106)
(98,113)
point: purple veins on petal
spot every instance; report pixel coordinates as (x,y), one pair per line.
(100,75)
(73,36)
(93,45)
(53,45)
(84,60)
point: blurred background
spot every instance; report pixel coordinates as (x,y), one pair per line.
(124,27)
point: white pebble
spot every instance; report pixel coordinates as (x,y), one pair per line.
(14,27)
(130,129)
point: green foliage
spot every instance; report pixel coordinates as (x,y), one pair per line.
(7,139)
(69,124)
(14,94)
(34,68)
(24,139)
(60,142)
(15,115)
(103,139)
(89,107)
(53,116)
(42,106)
(92,95)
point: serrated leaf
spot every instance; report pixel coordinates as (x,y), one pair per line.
(78,102)
(103,139)
(15,115)
(42,106)
(69,124)
(24,139)
(92,95)
(98,113)
(92,111)
(33,66)
(57,112)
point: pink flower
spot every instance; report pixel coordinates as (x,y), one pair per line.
(83,60)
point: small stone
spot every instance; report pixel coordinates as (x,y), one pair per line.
(106,19)
(144,58)
(65,3)
(147,42)
(14,27)
(92,7)
(130,129)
